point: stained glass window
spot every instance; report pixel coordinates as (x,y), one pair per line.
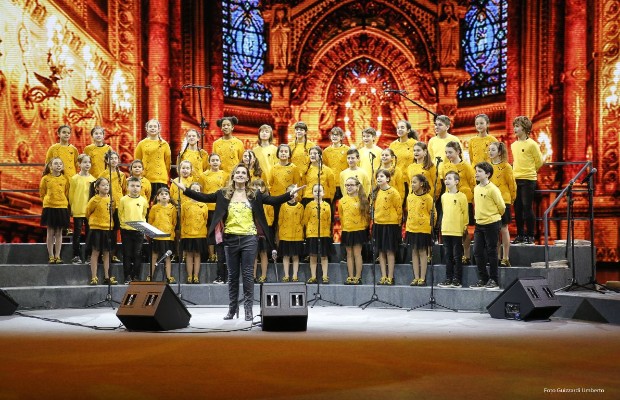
(484,46)
(244,51)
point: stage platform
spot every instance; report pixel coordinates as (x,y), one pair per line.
(35,285)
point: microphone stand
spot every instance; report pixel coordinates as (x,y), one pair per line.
(431,301)
(374,298)
(108,297)
(317,295)
(203,122)
(179,253)
(401,93)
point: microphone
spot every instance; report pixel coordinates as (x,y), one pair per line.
(394,91)
(274,254)
(192,86)
(438,159)
(167,254)
(592,172)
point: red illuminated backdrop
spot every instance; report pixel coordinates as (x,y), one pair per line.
(119,63)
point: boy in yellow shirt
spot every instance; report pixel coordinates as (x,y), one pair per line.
(132,207)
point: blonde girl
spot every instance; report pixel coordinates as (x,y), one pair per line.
(313,235)
(250,161)
(54,192)
(193,233)
(190,151)
(291,235)
(155,154)
(263,243)
(311,177)
(418,227)
(185,176)
(163,216)
(354,212)
(79,194)
(99,239)
(386,231)
(265,151)
(504,179)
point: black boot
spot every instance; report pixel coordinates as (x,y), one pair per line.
(248,314)
(232,310)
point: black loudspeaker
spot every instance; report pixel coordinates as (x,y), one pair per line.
(525,299)
(7,304)
(152,306)
(283,307)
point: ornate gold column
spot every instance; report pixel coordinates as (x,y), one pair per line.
(176,75)
(159,71)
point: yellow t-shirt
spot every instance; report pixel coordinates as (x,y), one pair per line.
(132,209)
(79,192)
(455,212)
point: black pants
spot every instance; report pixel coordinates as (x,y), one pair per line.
(78,223)
(485,250)
(524,214)
(221,262)
(453,246)
(132,249)
(240,253)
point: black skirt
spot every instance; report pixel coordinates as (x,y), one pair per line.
(418,241)
(160,247)
(57,218)
(290,248)
(194,245)
(506,217)
(99,240)
(348,239)
(312,246)
(386,237)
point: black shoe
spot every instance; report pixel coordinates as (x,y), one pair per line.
(232,312)
(456,283)
(480,285)
(529,240)
(248,314)
(446,283)
(518,240)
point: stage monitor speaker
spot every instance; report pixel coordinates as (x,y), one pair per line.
(7,304)
(525,299)
(152,306)
(284,307)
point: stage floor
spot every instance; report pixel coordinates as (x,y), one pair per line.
(346,353)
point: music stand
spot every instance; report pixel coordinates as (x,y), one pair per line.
(151,232)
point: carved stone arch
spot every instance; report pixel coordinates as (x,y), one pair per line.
(410,24)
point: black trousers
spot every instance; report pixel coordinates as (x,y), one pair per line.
(132,252)
(524,213)
(78,223)
(486,238)
(453,246)
(240,253)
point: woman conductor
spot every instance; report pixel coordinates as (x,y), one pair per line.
(238,220)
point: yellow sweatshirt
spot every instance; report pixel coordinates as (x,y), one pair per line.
(54,191)
(68,154)
(291,222)
(230,152)
(419,213)
(98,213)
(505,181)
(466,174)
(311,220)
(388,207)
(327,180)
(478,149)
(351,218)
(527,159)
(164,218)
(336,158)
(404,152)
(132,209)
(489,205)
(97,161)
(455,214)
(79,192)
(155,155)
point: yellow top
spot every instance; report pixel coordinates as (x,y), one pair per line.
(489,205)
(388,207)
(327,180)
(404,152)
(437,146)
(68,154)
(419,213)
(311,219)
(145,189)
(155,155)
(398,181)
(299,154)
(267,157)
(505,181)
(269,214)
(240,220)
(527,159)
(132,209)
(212,182)
(174,189)
(164,218)
(117,186)
(54,191)
(282,176)
(466,175)
(98,213)
(430,175)
(194,220)
(96,154)
(351,218)
(336,158)
(361,176)
(198,158)
(230,152)
(79,192)
(365,160)
(291,222)
(478,149)
(455,213)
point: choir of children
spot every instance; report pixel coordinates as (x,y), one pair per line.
(369,187)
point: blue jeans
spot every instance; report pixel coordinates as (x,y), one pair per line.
(240,253)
